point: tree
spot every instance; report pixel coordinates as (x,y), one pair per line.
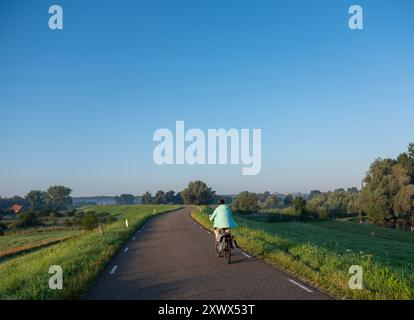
(147,198)
(299,204)
(170,196)
(287,201)
(125,199)
(336,202)
(352,190)
(406,159)
(404,202)
(36,200)
(385,192)
(271,201)
(314,193)
(178,198)
(331,204)
(263,196)
(198,193)
(246,202)
(89,221)
(58,197)
(159,197)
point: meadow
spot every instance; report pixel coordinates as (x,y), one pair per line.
(82,257)
(18,243)
(321,253)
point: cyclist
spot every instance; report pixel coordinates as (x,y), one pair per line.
(223,219)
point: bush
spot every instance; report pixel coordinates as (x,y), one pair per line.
(71,213)
(52,217)
(89,221)
(105,217)
(77,220)
(28,219)
(3,228)
(246,202)
(68,223)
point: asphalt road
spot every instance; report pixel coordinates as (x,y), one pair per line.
(172,257)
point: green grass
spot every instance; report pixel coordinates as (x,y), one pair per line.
(321,254)
(10,241)
(26,277)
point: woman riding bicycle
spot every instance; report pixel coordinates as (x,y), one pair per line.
(223,219)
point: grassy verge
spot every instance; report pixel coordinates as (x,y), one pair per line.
(12,243)
(29,246)
(81,258)
(305,251)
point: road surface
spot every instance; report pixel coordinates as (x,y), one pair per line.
(172,257)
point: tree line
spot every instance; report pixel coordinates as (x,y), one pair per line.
(386,197)
(54,198)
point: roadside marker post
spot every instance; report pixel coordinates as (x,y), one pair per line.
(126,223)
(101,230)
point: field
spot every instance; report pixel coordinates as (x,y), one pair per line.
(82,257)
(22,242)
(321,253)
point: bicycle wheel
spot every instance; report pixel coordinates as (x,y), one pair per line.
(227,252)
(217,249)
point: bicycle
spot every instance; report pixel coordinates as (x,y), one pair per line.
(224,246)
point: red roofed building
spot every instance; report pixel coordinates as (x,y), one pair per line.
(17,208)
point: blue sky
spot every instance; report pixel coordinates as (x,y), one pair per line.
(79,106)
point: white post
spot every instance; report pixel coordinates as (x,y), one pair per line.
(126,223)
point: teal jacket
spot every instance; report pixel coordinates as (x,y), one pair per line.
(223,217)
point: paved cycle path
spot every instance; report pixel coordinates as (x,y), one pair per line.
(172,257)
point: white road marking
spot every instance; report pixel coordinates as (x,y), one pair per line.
(126,249)
(300,286)
(114,269)
(208,232)
(246,255)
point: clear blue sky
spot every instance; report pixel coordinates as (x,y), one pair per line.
(78,107)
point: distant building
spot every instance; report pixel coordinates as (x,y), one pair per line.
(16,208)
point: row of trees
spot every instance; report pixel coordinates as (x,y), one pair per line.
(387,195)
(197,193)
(331,204)
(162,197)
(54,198)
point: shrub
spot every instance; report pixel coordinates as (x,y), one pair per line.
(3,228)
(89,221)
(77,220)
(53,217)
(246,202)
(106,217)
(28,219)
(71,213)
(68,223)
